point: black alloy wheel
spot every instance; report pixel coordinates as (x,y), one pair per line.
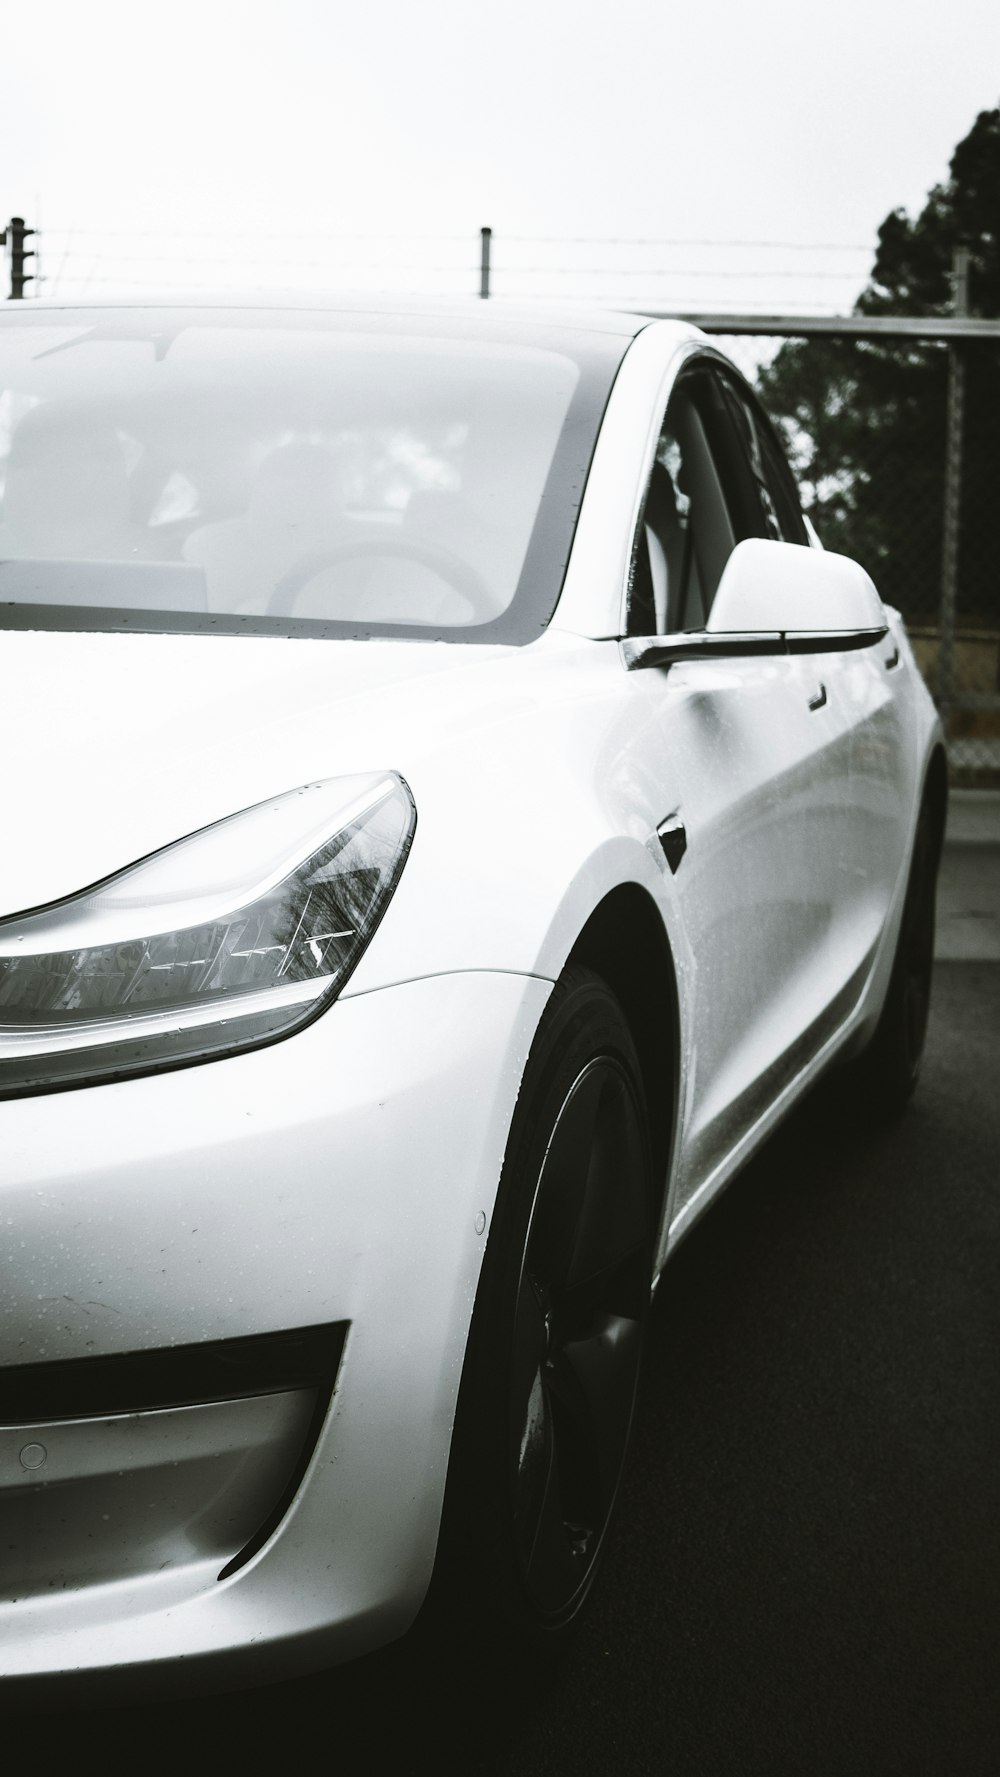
(551,1371)
(581,1302)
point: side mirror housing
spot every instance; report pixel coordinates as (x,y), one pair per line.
(790,587)
(776,598)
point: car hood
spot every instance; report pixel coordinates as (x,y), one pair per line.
(116,744)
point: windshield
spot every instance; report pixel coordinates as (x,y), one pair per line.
(292,472)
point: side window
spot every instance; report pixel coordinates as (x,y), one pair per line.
(775,493)
(686,530)
(719,475)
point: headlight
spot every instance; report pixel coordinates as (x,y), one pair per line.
(230,938)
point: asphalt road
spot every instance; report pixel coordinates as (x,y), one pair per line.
(805,1570)
(806,1574)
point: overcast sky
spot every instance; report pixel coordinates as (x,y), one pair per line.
(158,134)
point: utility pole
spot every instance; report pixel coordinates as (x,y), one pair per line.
(485,238)
(16,233)
(952,491)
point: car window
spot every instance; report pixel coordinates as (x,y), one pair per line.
(774,490)
(293,472)
(689,522)
(719,475)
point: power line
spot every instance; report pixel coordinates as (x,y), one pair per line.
(550,271)
(306,264)
(666,271)
(218,234)
(245,234)
(610,297)
(671,241)
(153,286)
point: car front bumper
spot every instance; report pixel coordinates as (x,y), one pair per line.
(343,1179)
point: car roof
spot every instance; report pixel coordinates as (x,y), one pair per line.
(495,313)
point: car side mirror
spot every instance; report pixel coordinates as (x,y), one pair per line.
(789,587)
(777,598)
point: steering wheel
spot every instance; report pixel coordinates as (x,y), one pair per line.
(451,567)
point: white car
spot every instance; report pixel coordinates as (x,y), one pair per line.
(452,810)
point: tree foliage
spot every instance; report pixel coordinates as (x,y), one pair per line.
(866,420)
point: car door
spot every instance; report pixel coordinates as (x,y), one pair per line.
(867,792)
(750,758)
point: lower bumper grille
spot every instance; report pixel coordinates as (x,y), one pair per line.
(112,1467)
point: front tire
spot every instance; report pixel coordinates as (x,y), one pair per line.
(549,1383)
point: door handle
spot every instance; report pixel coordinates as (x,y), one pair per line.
(891,660)
(818,698)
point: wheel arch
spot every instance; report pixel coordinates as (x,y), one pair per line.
(624,942)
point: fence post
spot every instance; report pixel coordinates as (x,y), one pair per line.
(485,237)
(16,233)
(952,493)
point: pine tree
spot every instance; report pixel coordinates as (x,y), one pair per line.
(865,419)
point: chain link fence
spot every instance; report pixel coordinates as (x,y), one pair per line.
(896,443)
